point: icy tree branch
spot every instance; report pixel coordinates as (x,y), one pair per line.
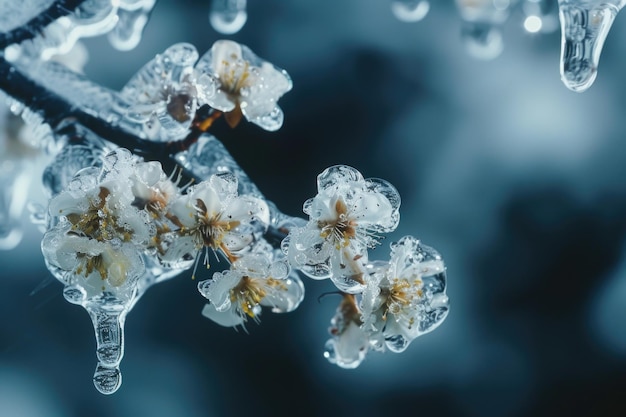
(33,27)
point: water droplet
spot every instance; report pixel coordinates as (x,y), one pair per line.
(107,380)
(396,343)
(228,16)
(584,27)
(181,54)
(410,10)
(126,34)
(74,294)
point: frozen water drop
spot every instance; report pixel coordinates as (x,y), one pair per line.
(107,380)
(584,27)
(271,121)
(181,54)
(74,294)
(410,10)
(330,352)
(126,35)
(482,41)
(228,16)
(396,343)
(204,287)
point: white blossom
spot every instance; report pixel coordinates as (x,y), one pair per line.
(345,218)
(97,231)
(166,92)
(211,214)
(247,85)
(349,343)
(405,298)
(252,282)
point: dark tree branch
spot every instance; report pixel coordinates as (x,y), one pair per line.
(34,26)
(55,109)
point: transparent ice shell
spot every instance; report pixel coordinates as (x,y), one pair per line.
(163,93)
(15,14)
(407,298)
(349,343)
(246,83)
(132,18)
(253,281)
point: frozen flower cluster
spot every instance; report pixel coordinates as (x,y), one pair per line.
(164,95)
(110,221)
(385,305)
(98,233)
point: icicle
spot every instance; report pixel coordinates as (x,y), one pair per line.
(584,26)
(132,18)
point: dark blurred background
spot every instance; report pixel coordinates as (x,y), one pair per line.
(518,182)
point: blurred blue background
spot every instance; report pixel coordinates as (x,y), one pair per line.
(518,182)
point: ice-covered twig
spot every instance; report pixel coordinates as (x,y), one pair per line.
(34,26)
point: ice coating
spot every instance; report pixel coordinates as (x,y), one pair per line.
(349,344)
(100,229)
(208,156)
(407,298)
(163,94)
(132,18)
(91,18)
(228,16)
(585,25)
(15,14)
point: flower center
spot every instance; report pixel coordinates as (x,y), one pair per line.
(401,294)
(179,107)
(249,293)
(236,75)
(87,264)
(341,229)
(98,222)
(212,228)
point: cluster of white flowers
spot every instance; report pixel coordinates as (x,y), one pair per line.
(111,221)
(395,301)
(97,232)
(165,94)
